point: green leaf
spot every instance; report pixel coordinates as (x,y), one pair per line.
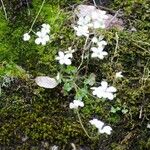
(113,110)
(90,80)
(71,70)
(118,108)
(68,86)
(81,93)
(124,111)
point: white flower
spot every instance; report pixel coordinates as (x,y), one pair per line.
(45,28)
(98,52)
(42,38)
(119,75)
(75,104)
(64,59)
(81,30)
(104,91)
(100,126)
(26,37)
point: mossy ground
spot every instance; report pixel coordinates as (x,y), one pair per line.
(43,115)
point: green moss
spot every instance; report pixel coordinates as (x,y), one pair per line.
(37,118)
(138,19)
(28,54)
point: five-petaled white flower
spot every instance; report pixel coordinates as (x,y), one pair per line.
(81,30)
(98,52)
(119,75)
(64,58)
(75,104)
(43,37)
(104,91)
(45,28)
(26,37)
(100,126)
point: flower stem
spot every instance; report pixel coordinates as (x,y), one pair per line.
(84,127)
(116,47)
(36,16)
(84,48)
(94,3)
(3,6)
(28,7)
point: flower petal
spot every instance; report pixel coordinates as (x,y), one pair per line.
(100,56)
(61,61)
(78,103)
(94,55)
(61,54)
(72,106)
(46,38)
(43,42)
(94,40)
(94,49)
(67,61)
(97,123)
(110,96)
(104,84)
(111,89)
(38,33)
(104,53)
(106,129)
(69,55)
(38,41)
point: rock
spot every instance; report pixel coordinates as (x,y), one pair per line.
(46,82)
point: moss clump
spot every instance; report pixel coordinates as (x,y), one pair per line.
(35,113)
(138,19)
(27,54)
